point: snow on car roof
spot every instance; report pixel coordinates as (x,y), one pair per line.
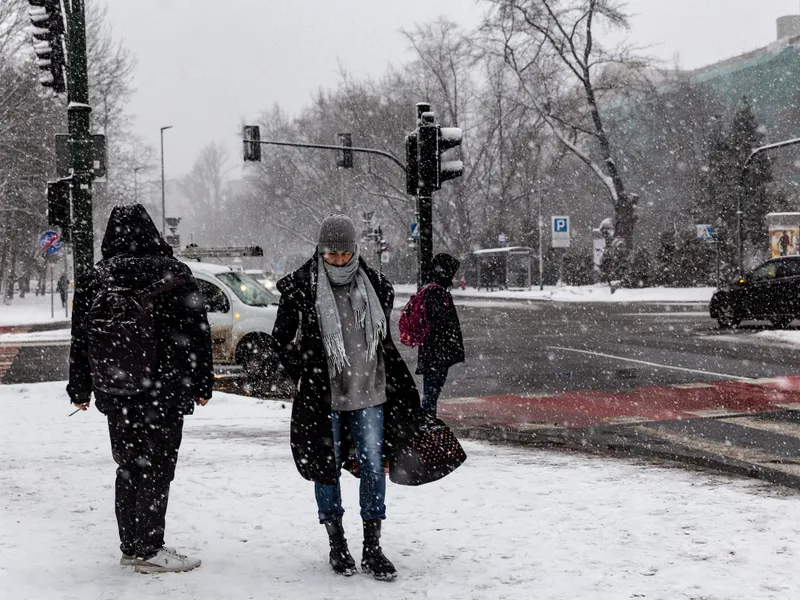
(209,268)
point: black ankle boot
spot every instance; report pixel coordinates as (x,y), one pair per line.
(372,560)
(341,560)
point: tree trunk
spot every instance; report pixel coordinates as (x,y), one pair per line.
(625,217)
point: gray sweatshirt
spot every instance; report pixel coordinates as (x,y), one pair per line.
(362,383)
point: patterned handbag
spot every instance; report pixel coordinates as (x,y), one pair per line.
(428,454)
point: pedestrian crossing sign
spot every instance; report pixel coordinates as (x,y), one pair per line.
(414,231)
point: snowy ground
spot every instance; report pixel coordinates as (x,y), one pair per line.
(32,309)
(586,293)
(510,523)
(54,335)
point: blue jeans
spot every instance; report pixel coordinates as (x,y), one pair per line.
(366,428)
(432,385)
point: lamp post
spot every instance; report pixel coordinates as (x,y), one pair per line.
(163,193)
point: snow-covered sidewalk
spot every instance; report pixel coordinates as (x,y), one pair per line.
(585,293)
(510,523)
(33,309)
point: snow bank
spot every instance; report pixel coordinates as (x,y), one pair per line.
(586,293)
(791,338)
(511,523)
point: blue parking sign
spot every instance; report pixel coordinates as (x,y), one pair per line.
(560,231)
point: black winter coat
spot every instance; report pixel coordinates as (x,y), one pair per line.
(135,256)
(444,346)
(299,344)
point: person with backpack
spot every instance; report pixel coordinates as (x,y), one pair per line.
(356,404)
(141,343)
(443,345)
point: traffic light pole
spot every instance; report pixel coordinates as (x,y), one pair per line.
(78,115)
(425,215)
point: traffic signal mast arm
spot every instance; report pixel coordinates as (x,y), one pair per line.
(383,153)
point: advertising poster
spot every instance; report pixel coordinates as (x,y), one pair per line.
(784,240)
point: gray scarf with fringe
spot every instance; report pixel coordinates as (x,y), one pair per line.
(366,307)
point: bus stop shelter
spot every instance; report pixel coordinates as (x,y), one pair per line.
(505,268)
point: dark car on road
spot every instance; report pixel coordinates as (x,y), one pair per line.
(770,292)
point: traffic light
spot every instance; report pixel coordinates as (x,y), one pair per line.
(345,141)
(427,153)
(48,35)
(58,206)
(412,166)
(432,142)
(252,143)
(449,138)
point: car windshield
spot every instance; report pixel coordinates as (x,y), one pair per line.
(247,289)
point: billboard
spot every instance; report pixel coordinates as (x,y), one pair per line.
(784,240)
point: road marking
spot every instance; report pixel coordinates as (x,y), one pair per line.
(651,364)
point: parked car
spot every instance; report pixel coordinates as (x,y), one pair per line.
(264,278)
(241,313)
(770,292)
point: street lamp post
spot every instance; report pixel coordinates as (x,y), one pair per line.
(163,192)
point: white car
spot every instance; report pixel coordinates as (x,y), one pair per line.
(264,279)
(241,313)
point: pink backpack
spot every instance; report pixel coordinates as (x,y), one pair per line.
(414,325)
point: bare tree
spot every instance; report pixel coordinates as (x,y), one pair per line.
(567,75)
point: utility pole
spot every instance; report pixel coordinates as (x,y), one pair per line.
(78,114)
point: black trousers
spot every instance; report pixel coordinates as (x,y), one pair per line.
(144,443)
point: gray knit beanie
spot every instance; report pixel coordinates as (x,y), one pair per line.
(337,233)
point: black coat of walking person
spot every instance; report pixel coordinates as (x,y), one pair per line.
(444,346)
(62,287)
(356,403)
(141,343)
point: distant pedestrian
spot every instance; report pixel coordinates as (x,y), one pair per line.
(356,403)
(444,345)
(141,343)
(62,287)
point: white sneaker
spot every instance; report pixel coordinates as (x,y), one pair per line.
(129,560)
(167,560)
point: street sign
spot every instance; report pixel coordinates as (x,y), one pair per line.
(414,231)
(705,233)
(385,258)
(50,243)
(502,239)
(560,231)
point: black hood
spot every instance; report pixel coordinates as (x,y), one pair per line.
(131,231)
(443,269)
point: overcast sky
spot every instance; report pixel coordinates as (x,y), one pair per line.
(205,65)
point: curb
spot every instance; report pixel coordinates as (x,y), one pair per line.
(633,442)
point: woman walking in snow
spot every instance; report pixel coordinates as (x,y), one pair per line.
(355,395)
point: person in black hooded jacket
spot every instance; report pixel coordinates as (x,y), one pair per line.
(444,346)
(146,428)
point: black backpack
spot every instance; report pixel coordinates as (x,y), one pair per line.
(123,344)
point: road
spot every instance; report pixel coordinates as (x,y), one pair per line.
(543,347)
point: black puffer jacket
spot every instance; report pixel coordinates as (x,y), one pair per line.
(135,256)
(444,346)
